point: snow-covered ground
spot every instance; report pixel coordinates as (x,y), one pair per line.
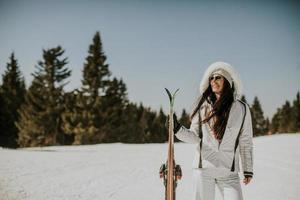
(130,172)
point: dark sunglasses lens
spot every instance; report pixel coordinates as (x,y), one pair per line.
(215,77)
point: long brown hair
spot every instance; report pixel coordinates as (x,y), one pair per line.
(220,108)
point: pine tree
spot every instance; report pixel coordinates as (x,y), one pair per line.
(295,115)
(151,134)
(147,124)
(163,129)
(94,85)
(258,121)
(296,110)
(78,121)
(31,132)
(143,113)
(12,93)
(3,125)
(185,119)
(133,132)
(157,132)
(70,116)
(95,72)
(86,114)
(285,118)
(113,107)
(40,116)
(267,128)
(275,121)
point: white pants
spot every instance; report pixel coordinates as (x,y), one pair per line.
(205,184)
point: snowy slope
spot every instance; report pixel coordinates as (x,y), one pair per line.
(130,172)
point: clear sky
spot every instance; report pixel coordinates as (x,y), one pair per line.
(157,44)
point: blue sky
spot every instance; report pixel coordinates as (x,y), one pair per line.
(157,44)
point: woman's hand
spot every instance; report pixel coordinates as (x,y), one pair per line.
(247,180)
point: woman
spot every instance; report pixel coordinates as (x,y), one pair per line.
(222,129)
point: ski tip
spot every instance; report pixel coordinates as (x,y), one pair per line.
(169,94)
(176,91)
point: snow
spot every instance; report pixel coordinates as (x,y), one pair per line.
(130,171)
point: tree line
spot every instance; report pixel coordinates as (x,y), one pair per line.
(98,112)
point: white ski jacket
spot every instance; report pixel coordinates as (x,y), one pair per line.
(221,159)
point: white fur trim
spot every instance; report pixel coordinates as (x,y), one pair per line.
(227,67)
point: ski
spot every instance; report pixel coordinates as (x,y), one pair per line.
(170,172)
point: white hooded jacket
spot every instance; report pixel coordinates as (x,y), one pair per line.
(219,158)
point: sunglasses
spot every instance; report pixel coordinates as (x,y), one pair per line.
(217,77)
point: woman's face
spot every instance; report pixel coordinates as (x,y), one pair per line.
(216,82)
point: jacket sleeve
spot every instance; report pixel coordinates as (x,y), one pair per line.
(190,135)
(246,145)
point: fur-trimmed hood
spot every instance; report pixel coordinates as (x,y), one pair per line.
(238,87)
